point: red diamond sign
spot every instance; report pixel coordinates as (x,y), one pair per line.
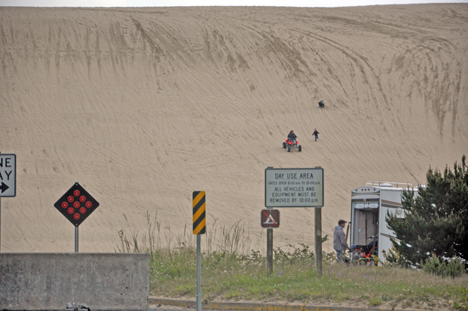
(76,204)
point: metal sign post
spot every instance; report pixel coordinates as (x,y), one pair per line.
(270,219)
(318,240)
(296,187)
(199,228)
(0,223)
(76,239)
(7,181)
(269,258)
(199,292)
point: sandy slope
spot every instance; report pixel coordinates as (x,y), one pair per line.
(143,106)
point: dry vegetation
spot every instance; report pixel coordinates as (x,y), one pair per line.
(230,274)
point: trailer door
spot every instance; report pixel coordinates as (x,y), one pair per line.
(391,204)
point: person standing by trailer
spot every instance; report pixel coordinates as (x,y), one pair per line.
(339,240)
(315,133)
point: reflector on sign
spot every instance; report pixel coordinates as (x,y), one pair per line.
(76,204)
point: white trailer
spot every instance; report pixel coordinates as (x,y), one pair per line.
(369,206)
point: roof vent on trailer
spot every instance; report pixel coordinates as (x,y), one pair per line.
(386,185)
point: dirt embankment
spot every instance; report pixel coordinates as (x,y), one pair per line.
(144,106)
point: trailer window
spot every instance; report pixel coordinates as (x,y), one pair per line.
(366,205)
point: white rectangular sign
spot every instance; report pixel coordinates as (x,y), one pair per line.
(294,187)
(7,175)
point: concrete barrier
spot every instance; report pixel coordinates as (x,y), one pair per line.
(41,281)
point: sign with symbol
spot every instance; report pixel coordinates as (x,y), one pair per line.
(7,175)
(76,204)
(270,218)
(199,219)
(294,187)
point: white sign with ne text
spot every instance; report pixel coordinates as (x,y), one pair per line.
(7,175)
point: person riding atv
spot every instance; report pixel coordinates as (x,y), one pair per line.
(292,137)
(291,142)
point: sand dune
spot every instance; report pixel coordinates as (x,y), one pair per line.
(144,106)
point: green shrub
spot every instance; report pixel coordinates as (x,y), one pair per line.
(434,265)
(375,301)
(298,254)
(455,268)
(395,258)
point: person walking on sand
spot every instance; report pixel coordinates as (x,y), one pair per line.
(339,240)
(315,133)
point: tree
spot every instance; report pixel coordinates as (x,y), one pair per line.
(436,221)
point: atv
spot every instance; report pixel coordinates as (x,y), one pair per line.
(365,253)
(290,144)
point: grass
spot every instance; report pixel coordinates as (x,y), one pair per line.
(231,273)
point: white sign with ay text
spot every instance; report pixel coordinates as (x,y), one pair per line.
(7,175)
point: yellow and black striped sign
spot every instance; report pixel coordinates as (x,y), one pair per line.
(199,217)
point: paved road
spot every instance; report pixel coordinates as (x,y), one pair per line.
(169,308)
